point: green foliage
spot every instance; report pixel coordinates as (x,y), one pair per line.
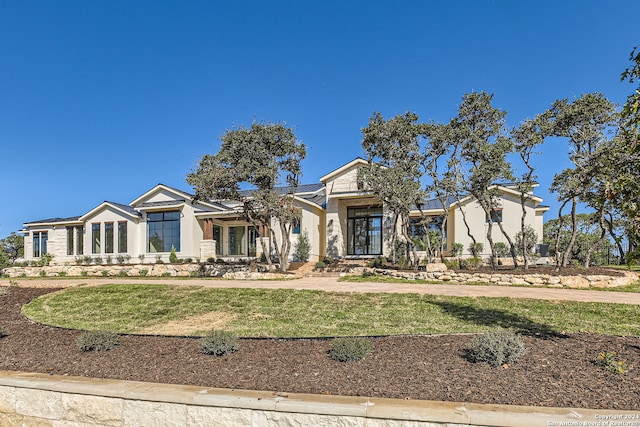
(328,260)
(173,257)
(109,259)
(475,249)
(500,249)
(98,341)
(349,349)
(456,249)
(496,348)
(159,259)
(218,343)
(45,259)
(144,272)
(84,273)
(11,248)
(321,264)
(211,260)
(586,235)
(122,273)
(104,273)
(42,273)
(62,274)
(531,238)
(608,361)
(261,156)
(120,259)
(377,262)
(302,247)
(473,262)
(452,264)
(97,260)
(87,260)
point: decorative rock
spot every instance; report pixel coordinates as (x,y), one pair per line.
(574,281)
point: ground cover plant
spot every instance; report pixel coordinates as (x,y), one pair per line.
(556,370)
(286,313)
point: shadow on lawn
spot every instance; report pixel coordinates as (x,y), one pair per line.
(499,318)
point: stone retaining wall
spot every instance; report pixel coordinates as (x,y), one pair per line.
(227,271)
(439,272)
(41,400)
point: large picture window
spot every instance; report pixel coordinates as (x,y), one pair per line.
(163,231)
(122,237)
(364,230)
(40,243)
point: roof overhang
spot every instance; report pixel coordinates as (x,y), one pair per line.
(104,205)
(343,168)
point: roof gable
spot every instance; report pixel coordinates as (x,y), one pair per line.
(344,168)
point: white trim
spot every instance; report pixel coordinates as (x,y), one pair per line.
(102,206)
(343,168)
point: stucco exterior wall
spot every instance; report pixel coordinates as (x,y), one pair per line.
(476,218)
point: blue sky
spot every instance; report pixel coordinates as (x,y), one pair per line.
(101,100)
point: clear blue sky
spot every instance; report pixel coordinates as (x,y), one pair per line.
(101,100)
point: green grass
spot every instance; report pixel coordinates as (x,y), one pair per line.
(127,308)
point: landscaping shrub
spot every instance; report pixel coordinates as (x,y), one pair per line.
(84,273)
(302,247)
(456,249)
(328,260)
(349,349)
(144,272)
(476,249)
(452,264)
(608,361)
(122,273)
(98,341)
(321,264)
(496,348)
(218,343)
(173,257)
(500,249)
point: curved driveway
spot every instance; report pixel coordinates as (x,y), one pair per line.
(332,284)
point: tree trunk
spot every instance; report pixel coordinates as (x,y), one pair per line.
(494,262)
(285,249)
(525,255)
(574,232)
(556,249)
(616,239)
(512,246)
(603,233)
(404,223)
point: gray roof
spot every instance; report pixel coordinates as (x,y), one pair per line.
(302,188)
(125,208)
(50,220)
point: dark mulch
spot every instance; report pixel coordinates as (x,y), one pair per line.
(555,371)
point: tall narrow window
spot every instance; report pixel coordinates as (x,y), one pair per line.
(108,237)
(217,236)
(70,238)
(163,231)
(95,238)
(122,237)
(40,243)
(80,239)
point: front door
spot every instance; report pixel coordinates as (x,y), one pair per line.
(364,230)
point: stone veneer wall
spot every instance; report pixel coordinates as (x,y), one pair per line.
(227,271)
(41,400)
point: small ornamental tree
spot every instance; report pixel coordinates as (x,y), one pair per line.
(264,156)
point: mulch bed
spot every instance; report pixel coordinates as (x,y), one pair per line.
(555,371)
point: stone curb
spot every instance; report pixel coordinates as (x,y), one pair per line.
(392,410)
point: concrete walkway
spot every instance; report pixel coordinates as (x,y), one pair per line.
(332,284)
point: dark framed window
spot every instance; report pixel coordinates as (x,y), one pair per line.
(40,243)
(122,237)
(364,230)
(295,229)
(70,238)
(496,216)
(95,238)
(80,240)
(108,237)
(163,231)
(217,236)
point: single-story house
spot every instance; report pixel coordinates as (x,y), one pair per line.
(339,218)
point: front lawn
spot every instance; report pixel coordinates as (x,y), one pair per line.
(139,308)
